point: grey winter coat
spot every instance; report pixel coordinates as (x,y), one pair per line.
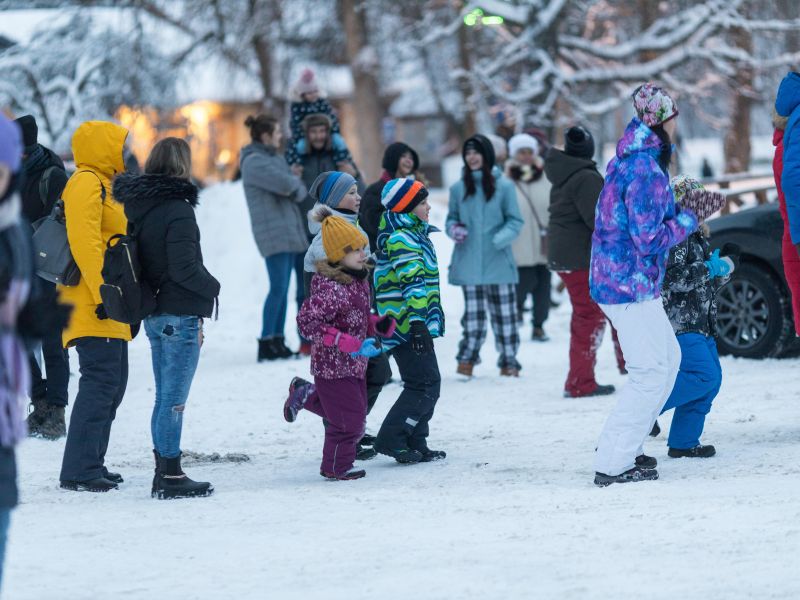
(485,257)
(316,252)
(273,198)
(689,294)
(573,200)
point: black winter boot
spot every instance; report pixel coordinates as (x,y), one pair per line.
(281,349)
(101,484)
(172,482)
(53,426)
(365,452)
(646,462)
(36,418)
(115,477)
(156,456)
(631,475)
(266,350)
(698,451)
(655,430)
(405,456)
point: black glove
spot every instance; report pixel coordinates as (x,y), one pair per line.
(421,340)
(732,251)
(100,311)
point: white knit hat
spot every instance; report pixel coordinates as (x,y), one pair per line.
(521,141)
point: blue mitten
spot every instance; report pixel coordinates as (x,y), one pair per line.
(719,266)
(368,349)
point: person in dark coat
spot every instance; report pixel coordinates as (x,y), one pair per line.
(573,199)
(43,180)
(160,207)
(399,160)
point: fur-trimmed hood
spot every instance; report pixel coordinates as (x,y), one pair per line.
(334,273)
(140,193)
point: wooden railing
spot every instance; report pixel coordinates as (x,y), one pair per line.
(759,187)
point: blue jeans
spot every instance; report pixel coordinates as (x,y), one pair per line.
(279,269)
(175,345)
(5,514)
(695,388)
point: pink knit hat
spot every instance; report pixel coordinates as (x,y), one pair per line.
(653,105)
(307,84)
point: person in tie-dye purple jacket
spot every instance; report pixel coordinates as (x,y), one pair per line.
(636,224)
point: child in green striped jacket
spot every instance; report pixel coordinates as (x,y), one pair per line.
(407,289)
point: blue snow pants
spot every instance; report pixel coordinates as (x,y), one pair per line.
(696,387)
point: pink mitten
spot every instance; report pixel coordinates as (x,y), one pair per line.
(458,231)
(384,326)
(343,341)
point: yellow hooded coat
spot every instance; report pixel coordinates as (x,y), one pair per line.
(91,222)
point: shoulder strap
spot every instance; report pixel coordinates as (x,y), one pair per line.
(102,187)
(44,184)
(530,203)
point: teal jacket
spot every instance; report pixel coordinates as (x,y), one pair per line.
(407,276)
(485,257)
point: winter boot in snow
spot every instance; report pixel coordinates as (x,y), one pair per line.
(299,391)
(114,477)
(655,430)
(281,349)
(365,452)
(429,455)
(405,456)
(172,482)
(600,390)
(156,456)
(35,418)
(367,440)
(509,372)
(698,451)
(266,350)
(101,484)
(539,335)
(351,474)
(646,462)
(465,369)
(53,426)
(631,475)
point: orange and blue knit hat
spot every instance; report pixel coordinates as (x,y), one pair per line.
(403,195)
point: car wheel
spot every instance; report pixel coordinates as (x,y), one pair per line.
(753,319)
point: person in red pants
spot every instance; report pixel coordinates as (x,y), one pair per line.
(787,104)
(573,199)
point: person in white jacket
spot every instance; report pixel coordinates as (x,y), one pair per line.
(526,169)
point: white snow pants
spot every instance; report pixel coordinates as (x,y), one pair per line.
(653,358)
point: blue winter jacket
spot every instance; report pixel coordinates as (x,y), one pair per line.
(485,257)
(636,222)
(787,104)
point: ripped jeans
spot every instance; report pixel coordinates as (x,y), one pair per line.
(175,342)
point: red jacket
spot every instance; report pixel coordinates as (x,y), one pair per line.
(791,259)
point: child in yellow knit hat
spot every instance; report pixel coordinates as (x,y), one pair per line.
(336,318)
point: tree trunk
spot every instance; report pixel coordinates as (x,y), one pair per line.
(469,125)
(737,138)
(366,100)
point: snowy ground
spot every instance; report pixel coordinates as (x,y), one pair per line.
(512,512)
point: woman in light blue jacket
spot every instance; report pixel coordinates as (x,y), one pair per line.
(484,219)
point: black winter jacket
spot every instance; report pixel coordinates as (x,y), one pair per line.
(370,212)
(573,199)
(35,207)
(160,212)
(688,293)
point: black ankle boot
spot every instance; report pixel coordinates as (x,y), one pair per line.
(281,349)
(172,482)
(266,350)
(156,456)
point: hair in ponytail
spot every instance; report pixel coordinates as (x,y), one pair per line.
(261,124)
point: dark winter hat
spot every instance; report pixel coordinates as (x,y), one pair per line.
(653,105)
(30,131)
(403,195)
(481,144)
(392,154)
(330,187)
(10,143)
(315,120)
(578,142)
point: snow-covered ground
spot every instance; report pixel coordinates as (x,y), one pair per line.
(511,513)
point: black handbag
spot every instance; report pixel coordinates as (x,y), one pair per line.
(53,258)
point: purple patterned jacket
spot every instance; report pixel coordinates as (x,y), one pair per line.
(340,301)
(636,223)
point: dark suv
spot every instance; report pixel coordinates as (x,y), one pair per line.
(755,314)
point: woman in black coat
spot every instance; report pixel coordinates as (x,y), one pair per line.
(160,206)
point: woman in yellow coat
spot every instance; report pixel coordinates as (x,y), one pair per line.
(93,217)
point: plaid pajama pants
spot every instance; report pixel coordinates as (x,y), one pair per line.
(502,304)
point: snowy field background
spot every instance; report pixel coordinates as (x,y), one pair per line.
(511,513)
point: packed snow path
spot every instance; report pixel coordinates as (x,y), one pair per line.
(511,513)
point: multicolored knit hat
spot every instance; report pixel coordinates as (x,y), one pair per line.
(403,195)
(691,194)
(339,237)
(330,187)
(653,105)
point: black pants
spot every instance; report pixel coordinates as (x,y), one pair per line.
(379,372)
(104,377)
(535,281)
(406,424)
(54,389)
